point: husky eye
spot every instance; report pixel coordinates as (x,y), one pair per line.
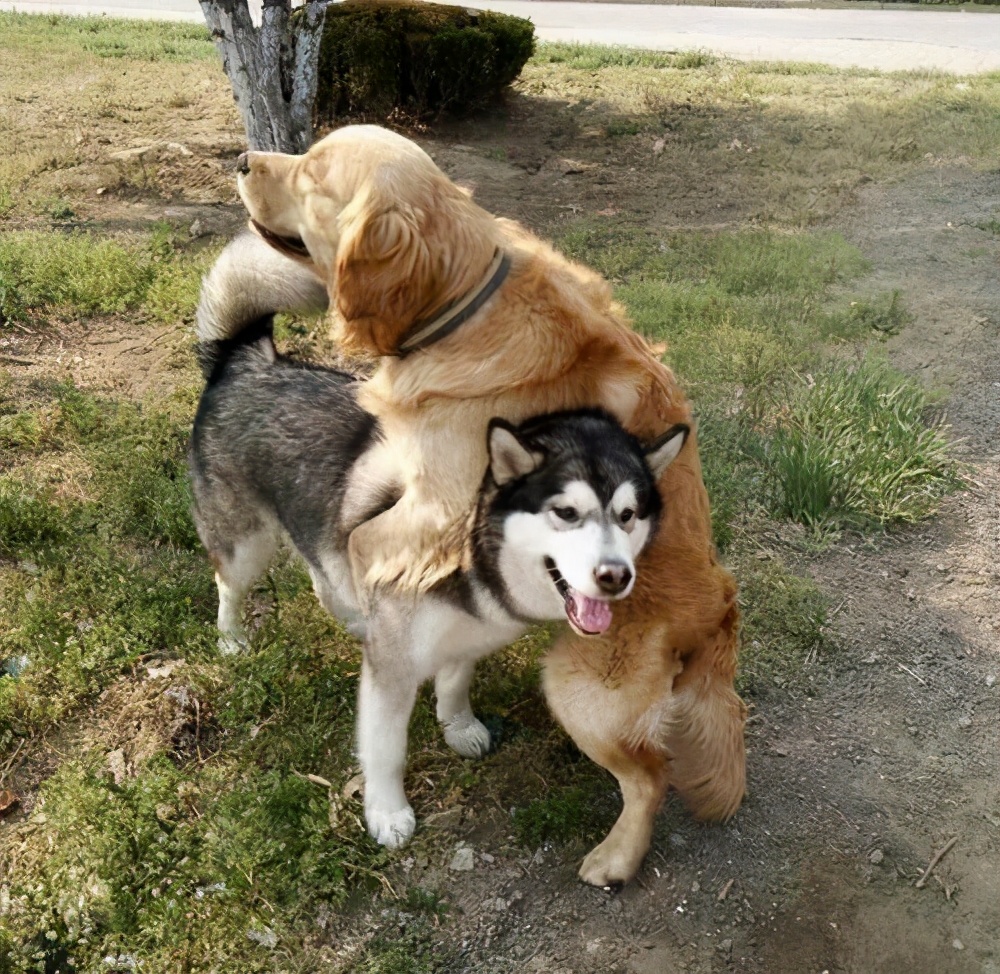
(626,515)
(568,514)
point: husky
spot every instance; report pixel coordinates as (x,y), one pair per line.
(281,450)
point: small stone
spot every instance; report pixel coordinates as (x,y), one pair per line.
(197,229)
(991,680)
(876,857)
(463,860)
(964,722)
(726,946)
(957,944)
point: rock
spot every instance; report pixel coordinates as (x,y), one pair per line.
(991,680)
(463,860)
(876,857)
(957,944)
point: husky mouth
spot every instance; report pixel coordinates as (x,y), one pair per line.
(292,246)
(587,616)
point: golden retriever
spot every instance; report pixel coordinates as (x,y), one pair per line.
(397,244)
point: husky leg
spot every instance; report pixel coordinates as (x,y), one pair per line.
(611,696)
(385,701)
(462,731)
(234,576)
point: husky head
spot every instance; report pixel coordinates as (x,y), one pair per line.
(569,502)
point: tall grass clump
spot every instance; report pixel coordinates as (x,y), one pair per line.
(855,446)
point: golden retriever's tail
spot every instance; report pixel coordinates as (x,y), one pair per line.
(246,287)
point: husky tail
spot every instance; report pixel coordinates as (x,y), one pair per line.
(246,287)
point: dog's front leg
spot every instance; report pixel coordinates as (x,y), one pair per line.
(385,700)
(462,731)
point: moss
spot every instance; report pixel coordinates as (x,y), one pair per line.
(422,59)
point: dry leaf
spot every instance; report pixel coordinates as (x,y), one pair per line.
(8,802)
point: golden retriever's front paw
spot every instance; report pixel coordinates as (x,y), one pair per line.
(612,863)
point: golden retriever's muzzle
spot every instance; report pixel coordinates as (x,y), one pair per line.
(290,246)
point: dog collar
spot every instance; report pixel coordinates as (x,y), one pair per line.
(420,336)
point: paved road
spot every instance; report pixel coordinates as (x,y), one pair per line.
(957,41)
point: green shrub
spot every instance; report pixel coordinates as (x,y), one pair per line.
(421,58)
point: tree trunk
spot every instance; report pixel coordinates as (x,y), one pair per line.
(272,68)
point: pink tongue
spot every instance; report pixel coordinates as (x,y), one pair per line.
(592,615)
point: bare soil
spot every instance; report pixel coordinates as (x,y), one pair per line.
(859,773)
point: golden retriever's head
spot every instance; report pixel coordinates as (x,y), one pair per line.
(393,239)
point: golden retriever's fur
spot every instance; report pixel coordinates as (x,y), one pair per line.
(395,242)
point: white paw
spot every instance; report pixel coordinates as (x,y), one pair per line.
(391,829)
(232,643)
(467,736)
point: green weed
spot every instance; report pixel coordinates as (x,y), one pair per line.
(855,448)
(784,618)
(565,814)
(79,273)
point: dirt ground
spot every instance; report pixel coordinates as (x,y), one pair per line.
(887,751)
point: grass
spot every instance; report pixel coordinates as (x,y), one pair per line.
(175,824)
(593,57)
(107,37)
(81,273)
(855,447)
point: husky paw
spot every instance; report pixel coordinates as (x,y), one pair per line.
(230,644)
(391,829)
(467,736)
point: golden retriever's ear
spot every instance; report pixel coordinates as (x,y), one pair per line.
(385,280)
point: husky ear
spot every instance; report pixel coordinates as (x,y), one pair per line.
(662,451)
(509,457)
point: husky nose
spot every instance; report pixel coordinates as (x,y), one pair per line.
(243,164)
(613,577)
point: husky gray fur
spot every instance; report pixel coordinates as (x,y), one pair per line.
(279,450)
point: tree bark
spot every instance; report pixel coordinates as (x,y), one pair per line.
(273,68)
